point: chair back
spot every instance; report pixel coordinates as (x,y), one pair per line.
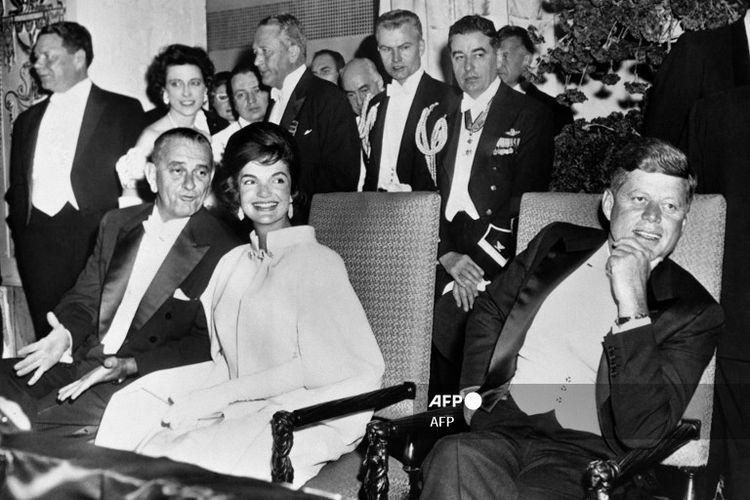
(700,251)
(389,244)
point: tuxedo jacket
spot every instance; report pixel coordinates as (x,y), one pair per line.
(411,165)
(719,152)
(646,375)
(325,130)
(169,327)
(700,64)
(111,124)
(498,178)
(561,113)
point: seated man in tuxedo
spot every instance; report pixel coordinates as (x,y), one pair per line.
(588,344)
(135,307)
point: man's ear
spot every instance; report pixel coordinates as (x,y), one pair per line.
(151,177)
(421,48)
(79,59)
(608,201)
(294,52)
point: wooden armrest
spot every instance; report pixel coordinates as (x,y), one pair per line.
(409,440)
(603,475)
(285,422)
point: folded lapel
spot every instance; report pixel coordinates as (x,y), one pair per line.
(119,270)
(182,258)
(30,149)
(376,141)
(451,150)
(92,115)
(296,100)
(500,118)
(555,267)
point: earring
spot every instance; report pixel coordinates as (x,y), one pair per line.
(290,212)
(165,98)
(240,214)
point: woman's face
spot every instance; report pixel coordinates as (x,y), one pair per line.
(265,194)
(221,104)
(185,89)
(250,101)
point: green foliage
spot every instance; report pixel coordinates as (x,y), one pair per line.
(584,151)
(597,36)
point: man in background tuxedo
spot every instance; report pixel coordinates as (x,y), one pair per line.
(135,307)
(395,162)
(700,64)
(313,110)
(499,146)
(62,167)
(515,52)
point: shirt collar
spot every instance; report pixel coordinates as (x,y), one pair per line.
(242,122)
(165,231)
(478,104)
(290,82)
(408,88)
(279,239)
(77,93)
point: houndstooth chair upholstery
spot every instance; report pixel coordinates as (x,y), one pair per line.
(699,251)
(389,244)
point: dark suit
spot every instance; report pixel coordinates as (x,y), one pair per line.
(719,152)
(562,114)
(645,379)
(166,331)
(51,251)
(411,166)
(496,184)
(700,64)
(325,129)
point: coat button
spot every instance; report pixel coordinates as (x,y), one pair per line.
(152,339)
(168,315)
(489,211)
(493,188)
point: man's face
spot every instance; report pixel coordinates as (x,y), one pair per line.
(512,60)
(474,62)
(250,101)
(401,50)
(180,178)
(58,69)
(275,55)
(358,83)
(650,207)
(323,66)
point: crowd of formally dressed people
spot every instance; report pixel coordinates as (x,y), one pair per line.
(168,264)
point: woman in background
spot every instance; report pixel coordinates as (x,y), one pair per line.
(219,98)
(286,329)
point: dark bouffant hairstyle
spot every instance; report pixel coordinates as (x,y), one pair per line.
(262,142)
(175,55)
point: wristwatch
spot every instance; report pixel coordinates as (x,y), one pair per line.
(621,320)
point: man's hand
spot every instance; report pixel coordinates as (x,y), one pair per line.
(44,353)
(464,271)
(464,296)
(112,369)
(628,268)
(188,409)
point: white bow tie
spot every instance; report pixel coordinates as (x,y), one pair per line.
(394,90)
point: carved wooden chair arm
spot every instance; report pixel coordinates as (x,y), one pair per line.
(284,422)
(603,475)
(408,439)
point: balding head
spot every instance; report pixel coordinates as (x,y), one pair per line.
(358,78)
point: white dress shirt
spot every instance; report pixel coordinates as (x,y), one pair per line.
(281,97)
(220,139)
(458,198)
(56,148)
(158,239)
(400,98)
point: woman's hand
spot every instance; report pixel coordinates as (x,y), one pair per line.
(189,409)
(131,168)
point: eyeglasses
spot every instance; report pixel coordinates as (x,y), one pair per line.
(221,97)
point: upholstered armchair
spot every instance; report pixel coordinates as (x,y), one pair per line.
(699,251)
(388,242)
